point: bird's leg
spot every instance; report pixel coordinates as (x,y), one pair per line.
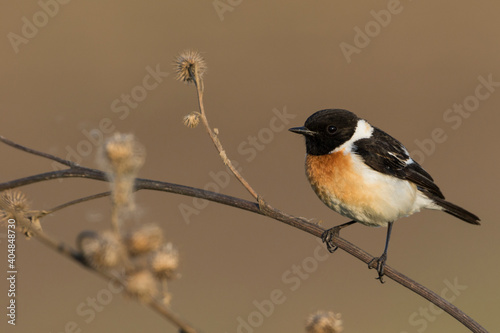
(328,235)
(383,258)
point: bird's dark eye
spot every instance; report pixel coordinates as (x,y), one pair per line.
(331,129)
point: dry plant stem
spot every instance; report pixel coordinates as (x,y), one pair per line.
(222,153)
(38,153)
(299,223)
(67,251)
(75,255)
(115,221)
(74,202)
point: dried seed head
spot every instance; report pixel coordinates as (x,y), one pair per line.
(145,239)
(14,205)
(192,120)
(165,261)
(122,155)
(12,200)
(190,66)
(122,158)
(142,285)
(101,250)
(324,322)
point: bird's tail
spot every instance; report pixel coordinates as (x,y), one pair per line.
(456,211)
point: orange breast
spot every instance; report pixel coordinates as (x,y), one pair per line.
(335,177)
(345,184)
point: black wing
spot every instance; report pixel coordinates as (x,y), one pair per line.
(387,155)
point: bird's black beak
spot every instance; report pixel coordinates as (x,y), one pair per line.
(302,130)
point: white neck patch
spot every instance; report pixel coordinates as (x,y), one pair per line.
(363,131)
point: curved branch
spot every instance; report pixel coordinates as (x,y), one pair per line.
(299,223)
(38,153)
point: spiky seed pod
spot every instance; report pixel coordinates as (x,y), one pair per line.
(142,285)
(192,119)
(143,240)
(324,322)
(122,154)
(165,262)
(190,66)
(12,200)
(122,157)
(14,205)
(100,250)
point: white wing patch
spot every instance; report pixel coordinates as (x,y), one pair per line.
(407,161)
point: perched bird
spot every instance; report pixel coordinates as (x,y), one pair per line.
(365,174)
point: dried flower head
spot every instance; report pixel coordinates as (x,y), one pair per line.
(143,240)
(190,66)
(12,200)
(141,284)
(101,250)
(165,261)
(324,322)
(14,205)
(122,154)
(192,120)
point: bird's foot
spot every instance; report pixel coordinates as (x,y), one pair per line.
(379,264)
(327,237)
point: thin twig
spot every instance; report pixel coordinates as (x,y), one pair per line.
(74,202)
(299,223)
(39,153)
(222,153)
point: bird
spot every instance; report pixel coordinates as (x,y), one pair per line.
(366,175)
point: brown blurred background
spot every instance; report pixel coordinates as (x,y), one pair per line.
(262,56)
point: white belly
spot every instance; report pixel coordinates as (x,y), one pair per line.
(361,193)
